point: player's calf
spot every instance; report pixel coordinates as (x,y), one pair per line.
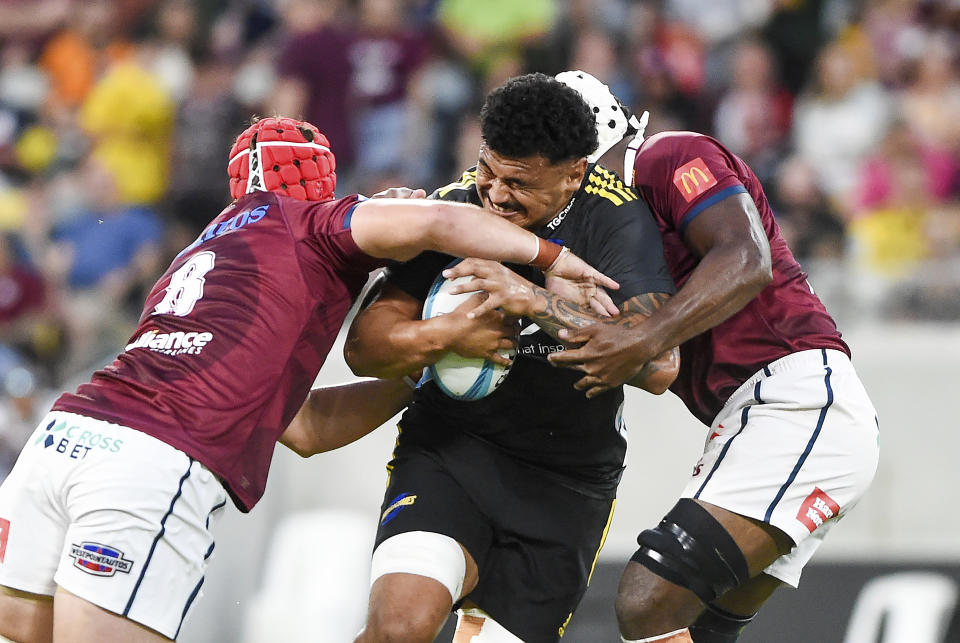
(717,625)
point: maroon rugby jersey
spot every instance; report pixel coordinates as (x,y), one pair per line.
(232,336)
(680,174)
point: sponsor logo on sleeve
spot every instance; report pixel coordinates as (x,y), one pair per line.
(817,509)
(396,505)
(99,560)
(693,179)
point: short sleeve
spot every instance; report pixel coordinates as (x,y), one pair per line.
(624,244)
(324,227)
(684,173)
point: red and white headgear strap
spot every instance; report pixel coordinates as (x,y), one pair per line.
(614,120)
(283,155)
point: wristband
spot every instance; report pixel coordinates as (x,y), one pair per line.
(563,250)
(547,255)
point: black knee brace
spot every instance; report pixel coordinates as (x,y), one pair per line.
(717,625)
(691,549)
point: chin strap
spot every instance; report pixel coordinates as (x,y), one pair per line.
(630,155)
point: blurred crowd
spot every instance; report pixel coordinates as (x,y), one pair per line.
(116,117)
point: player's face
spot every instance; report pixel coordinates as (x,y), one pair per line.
(526,191)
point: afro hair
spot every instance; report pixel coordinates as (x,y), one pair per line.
(536,115)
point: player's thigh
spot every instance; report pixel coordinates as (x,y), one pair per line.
(793,449)
(25,617)
(760,543)
(424,497)
(549,538)
(80,621)
(32,518)
(140,532)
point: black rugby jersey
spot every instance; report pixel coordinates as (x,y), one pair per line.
(536,415)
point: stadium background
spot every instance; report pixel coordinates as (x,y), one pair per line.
(115,120)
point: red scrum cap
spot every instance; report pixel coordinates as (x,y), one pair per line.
(282,155)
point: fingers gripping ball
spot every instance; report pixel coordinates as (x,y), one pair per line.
(462,378)
(283,155)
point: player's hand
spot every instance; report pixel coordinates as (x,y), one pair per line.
(482,335)
(401,193)
(583,294)
(610,354)
(508,291)
(570,266)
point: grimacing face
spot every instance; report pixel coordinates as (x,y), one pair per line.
(527,191)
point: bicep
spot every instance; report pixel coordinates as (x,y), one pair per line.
(734,221)
(383,308)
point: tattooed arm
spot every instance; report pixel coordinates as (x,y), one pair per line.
(555,313)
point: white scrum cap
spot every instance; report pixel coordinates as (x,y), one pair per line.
(614,120)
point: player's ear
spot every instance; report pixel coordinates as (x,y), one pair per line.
(575,172)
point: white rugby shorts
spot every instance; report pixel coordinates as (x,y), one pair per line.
(113,516)
(796,447)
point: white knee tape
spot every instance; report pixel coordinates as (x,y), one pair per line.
(423,553)
(475,626)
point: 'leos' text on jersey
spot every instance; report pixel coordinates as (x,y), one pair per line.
(536,415)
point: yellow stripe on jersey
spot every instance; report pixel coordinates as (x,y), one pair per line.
(467,179)
(608,185)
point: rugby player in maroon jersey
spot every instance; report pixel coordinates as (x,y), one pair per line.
(793,435)
(105,521)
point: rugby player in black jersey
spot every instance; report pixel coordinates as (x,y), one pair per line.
(500,506)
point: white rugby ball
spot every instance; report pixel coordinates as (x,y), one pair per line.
(462,378)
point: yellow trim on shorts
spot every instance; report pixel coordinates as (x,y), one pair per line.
(603,539)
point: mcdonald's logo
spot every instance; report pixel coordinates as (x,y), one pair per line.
(693,179)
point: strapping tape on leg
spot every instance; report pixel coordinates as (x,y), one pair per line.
(691,548)
(475,626)
(423,553)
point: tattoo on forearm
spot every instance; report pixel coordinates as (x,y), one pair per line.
(645,304)
(558,313)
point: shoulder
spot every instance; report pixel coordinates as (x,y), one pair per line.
(604,190)
(464,190)
(674,145)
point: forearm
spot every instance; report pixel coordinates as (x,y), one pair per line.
(334,416)
(658,374)
(406,346)
(402,228)
(553,313)
(467,231)
(722,284)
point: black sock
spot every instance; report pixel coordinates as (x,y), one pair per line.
(716,625)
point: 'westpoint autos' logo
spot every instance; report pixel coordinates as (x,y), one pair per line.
(99,560)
